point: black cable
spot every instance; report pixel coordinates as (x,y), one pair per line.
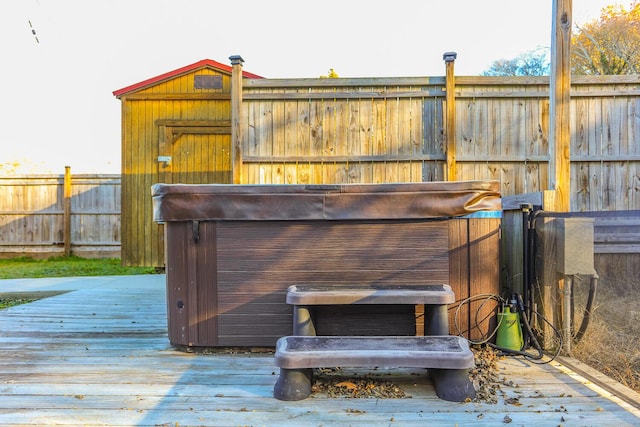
(587,310)
(487,297)
(559,337)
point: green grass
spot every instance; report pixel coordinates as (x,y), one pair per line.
(24,267)
(6,302)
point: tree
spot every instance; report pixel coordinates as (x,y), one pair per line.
(532,63)
(331,75)
(610,44)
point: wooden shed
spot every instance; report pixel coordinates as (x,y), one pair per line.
(176,128)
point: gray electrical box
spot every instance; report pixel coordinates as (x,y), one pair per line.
(574,243)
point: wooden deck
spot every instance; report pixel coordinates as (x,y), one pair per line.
(100,356)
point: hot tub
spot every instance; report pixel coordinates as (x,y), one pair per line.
(233,250)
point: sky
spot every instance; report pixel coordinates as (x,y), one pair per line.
(57,97)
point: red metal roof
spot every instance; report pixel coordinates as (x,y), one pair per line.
(166,76)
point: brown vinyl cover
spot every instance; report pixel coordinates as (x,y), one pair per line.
(180,202)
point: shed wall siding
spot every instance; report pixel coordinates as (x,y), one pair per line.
(177,120)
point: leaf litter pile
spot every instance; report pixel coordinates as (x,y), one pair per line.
(485,376)
(333,382)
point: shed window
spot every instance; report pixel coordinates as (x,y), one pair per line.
(207,82)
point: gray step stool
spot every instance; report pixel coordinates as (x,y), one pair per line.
(434,297)
(448,359)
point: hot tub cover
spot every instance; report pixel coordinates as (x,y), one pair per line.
(180,202)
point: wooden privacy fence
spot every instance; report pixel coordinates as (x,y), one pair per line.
(45,215)
(302,131)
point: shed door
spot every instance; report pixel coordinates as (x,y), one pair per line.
(195,154)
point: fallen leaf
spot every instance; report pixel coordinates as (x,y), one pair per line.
(513,401)
(347,384)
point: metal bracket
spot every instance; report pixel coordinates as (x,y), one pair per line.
(195,230)
(165,159)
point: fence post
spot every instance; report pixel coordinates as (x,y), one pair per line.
(450,85)
(67,211)
(236,107)
(559,105)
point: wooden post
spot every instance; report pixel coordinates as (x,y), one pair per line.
(559,108)
(66,232)
(450,85)
(236,108)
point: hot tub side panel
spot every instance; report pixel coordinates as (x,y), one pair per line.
(256,261)
(192,296)
(475,273)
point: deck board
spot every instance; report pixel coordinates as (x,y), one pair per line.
(101,356)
